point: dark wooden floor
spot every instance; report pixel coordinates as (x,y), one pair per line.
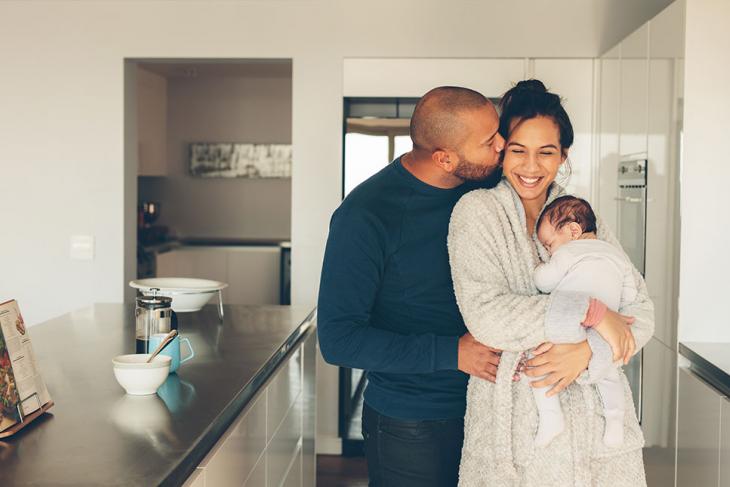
(337,471)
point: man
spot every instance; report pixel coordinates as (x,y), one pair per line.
(386,302)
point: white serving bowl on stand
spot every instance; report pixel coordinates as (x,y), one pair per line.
(188,294)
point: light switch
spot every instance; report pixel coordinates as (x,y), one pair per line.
(82,247)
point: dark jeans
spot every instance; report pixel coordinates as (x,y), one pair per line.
(402,453)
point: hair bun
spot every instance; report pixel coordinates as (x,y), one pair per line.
(534,85)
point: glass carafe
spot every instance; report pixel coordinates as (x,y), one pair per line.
(153,314)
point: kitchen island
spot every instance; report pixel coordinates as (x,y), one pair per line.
(241,411)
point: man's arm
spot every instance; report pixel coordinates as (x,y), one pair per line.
(354,264)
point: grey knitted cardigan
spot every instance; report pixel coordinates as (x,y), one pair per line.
(492,262)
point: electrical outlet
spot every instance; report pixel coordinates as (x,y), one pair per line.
(82,247)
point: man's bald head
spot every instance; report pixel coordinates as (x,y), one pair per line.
(436,121)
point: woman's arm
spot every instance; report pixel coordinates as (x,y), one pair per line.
(480,259)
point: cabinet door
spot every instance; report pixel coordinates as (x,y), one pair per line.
(698,432)
(725,444)
(634,92)
(253,275)
(608,138)
(283,453)
(659,396)
(233,459)
(309,398)
(572,79)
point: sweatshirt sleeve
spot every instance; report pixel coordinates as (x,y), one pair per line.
(352,272)
(496,316)
(549,274)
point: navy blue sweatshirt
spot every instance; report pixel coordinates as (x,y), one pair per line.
(386,298)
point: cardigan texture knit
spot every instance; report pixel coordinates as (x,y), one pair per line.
(492,263)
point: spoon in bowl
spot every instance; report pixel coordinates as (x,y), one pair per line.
(165,342)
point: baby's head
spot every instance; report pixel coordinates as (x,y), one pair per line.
(565,219)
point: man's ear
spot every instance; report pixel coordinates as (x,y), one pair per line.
(575,230)
(445,159)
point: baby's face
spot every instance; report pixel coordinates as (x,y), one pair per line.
(552,238)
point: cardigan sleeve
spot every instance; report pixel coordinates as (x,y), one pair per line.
(497,316)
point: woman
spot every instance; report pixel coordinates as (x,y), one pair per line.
(493,251)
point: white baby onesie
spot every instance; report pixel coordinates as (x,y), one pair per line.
(604,272)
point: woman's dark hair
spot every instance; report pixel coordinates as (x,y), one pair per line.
(530,99)
(569,209)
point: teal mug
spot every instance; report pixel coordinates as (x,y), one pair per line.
(173,349)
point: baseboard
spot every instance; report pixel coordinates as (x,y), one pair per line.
(329,445)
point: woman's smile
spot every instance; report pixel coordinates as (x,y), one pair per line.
(529,182)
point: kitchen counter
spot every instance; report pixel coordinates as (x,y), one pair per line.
(168,245)
(711,361)
(97,435)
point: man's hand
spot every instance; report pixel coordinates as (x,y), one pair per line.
(561,364)
(615,328)
(477,359)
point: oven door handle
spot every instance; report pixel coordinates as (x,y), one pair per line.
(629,199)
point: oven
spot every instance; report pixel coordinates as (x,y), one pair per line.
(631,200)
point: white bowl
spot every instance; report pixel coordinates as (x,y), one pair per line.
(188,294)
(138,377)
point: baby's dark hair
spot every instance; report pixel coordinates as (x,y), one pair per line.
(530,99)
(568,209)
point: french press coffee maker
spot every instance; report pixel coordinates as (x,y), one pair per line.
(153,314)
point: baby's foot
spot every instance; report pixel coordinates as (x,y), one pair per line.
(613,436)
(551,424)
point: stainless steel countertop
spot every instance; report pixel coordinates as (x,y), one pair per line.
(97,435)
(711,361)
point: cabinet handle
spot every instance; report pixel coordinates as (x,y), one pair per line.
(629,199)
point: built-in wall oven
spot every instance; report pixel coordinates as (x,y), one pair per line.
(632,200)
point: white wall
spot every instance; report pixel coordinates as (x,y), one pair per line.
(62,109)
(705,171)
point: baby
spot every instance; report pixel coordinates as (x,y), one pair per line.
(581,262)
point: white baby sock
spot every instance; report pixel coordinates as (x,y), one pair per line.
(551,421)
(613,436)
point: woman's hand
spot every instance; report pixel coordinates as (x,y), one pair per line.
(615,328)
(561,364)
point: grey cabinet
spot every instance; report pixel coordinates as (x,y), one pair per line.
(698,432)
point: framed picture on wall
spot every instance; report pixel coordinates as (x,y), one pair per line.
(235,160)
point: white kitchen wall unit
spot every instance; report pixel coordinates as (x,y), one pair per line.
(414,77)
(634,92)
(705,234)
(665,102)
(252,272)
(573,80)
(608,136)
(151,123)
(698,432)
(270,444)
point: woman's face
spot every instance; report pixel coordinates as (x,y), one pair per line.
(533,156)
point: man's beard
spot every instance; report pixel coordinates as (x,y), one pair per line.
(469,171)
